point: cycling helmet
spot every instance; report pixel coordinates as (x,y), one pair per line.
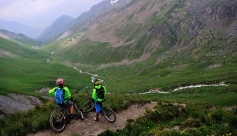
(60,81)
(96,81)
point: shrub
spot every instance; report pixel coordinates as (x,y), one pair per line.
(218,115)
(233,121)
(192,122)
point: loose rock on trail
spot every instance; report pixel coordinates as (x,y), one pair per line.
(88,126)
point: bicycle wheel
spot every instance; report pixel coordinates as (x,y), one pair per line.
(88,106)
(57,120)
(77,109)
(109,114)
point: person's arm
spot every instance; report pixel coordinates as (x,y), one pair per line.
(94,95)
(105,91)
(67,95)
(52,92)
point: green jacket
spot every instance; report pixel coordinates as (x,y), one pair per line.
(67,95)
(94,95)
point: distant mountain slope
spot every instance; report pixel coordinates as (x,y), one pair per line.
(94,11)
(19,28)
(13,49)
(155,31)
(58,26)
(20,38)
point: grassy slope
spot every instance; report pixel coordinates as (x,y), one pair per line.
(177,69)
(30,71)
(168,67)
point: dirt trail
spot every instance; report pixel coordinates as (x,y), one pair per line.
(88,127)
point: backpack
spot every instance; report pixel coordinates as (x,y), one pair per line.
(59,95)
(100,92)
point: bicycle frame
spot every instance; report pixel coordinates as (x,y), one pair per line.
(89,105)
(88,95)
(59,117)
(107,112)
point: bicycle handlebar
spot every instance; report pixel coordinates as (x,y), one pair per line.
(86,89)
(76,91)
(80,89)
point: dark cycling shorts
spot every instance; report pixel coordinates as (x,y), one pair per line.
(68,103)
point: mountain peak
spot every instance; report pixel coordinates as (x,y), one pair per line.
(63,18)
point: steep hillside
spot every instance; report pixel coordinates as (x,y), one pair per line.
(139,37)
(139,28)
(135,47)
(24,71)
(65,23)
(181,54)
(19,38)
(58,26)
(18,50)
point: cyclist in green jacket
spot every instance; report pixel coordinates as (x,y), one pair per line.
(98,94)
(67,95)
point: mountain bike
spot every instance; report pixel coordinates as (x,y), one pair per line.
(107,112)
(89,105)
(60,117)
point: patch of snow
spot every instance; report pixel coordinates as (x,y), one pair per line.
(113,1)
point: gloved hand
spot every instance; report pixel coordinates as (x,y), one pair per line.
(100,100)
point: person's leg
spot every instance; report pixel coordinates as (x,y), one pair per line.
(96,116)
(71,109)
(97,110)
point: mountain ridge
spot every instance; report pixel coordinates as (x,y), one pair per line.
(141,46)
(19,28)
(57,27)
(139,37)
(94,11)
(20,38)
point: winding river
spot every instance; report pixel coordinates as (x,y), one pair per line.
(93,76)
(181,88)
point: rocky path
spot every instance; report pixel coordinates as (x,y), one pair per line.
(89,127)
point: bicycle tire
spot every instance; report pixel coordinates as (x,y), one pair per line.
(79,112)
(58,121)
(87,107)
(108,114)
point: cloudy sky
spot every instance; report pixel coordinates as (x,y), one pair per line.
(41,13)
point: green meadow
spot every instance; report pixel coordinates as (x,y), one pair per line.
(183,57)
(208,110)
